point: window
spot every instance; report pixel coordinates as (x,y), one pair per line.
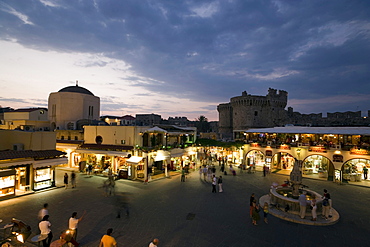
(123,141)
(256,113)
(62,137)
(70,126)
(76,138)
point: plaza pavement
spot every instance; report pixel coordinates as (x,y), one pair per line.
(188,214)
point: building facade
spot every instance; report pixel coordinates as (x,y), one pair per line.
(27,161)
(251,111)
(70,105)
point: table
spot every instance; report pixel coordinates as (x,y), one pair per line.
(58,243)
(38,238)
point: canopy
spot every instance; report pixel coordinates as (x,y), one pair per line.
(134,159)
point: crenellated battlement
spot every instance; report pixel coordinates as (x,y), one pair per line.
(247,111)
(273,98)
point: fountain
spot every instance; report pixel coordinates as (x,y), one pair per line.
(283,200)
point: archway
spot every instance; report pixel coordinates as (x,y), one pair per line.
(318,166)
(353,170)
(256,159)
(283,161)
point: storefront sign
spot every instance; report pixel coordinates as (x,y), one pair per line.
(318,149)
(269,153)
(286,147)
(337,158)
(256,145)
(359,151)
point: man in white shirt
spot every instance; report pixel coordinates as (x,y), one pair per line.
(44,211)
(154,243)
(44,227)
(214,180)
(73,224)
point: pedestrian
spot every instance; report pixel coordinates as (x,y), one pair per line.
(73,224)
(313,209)
(200,172)
(325,208)
(265,212)
(73,179)
(214,182)
(182,175)
(264,170)
(44,211)
(107,240)
(65,180)
(44,227)
(328,196)
(365,170)
(302,205)
(255,214)
(154,243)
(205,171)
(219,181)
(251,199)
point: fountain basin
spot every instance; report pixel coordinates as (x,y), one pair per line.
(281,198)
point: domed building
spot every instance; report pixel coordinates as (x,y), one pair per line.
(71,104)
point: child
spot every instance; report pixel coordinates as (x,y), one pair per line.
(265,211)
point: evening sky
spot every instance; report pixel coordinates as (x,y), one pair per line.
(183,58)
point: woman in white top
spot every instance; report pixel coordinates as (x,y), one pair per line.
(313,209)
(44,226)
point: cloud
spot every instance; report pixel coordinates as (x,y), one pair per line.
(200,51)
(10,10)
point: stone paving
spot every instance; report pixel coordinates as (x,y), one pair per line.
(188,214)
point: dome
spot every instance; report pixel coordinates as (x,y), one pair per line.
(76,89)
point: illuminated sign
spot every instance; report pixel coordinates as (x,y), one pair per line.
(359,151)
(318,149)
(337,158)
(286,147)
(256,145)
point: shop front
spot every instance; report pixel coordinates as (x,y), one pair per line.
(255,160)
(7,182)
(43,178)
(356,170)
(132,168)
(316,165)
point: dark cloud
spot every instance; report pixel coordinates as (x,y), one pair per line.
(211,51)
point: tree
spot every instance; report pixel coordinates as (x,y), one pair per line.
(202,124)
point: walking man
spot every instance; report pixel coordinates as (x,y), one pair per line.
(73,179)
(107,240)
(154,243)
(302,205)
(219,181)
(73,224)
(65,180)
(214,180)
(44,211)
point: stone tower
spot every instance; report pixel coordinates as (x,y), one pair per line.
(251,111)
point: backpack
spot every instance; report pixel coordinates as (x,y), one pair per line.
(325,202)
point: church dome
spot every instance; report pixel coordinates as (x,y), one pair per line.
(76,89)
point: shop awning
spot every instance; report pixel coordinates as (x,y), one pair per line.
(50,162)
(161,155)
(177,152)
(7,172)
(104,152)
(16,163)
(134,159)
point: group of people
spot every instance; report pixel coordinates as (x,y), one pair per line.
(255,208)
(326,206)
(45,227)
(73,180)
